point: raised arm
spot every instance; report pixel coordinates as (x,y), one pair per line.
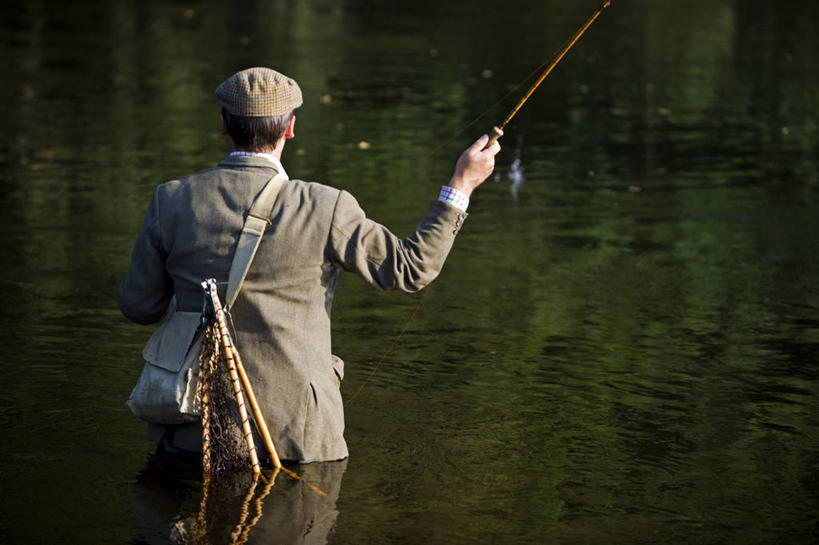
(368,248)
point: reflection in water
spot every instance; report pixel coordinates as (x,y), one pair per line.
(171,505)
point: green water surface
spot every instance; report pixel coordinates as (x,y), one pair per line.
(623,346)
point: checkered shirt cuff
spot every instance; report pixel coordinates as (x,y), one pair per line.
(454,197)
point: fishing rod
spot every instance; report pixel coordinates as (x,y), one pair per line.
(497,132)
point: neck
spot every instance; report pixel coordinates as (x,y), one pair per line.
(274,151)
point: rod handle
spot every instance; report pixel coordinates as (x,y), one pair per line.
(497,132)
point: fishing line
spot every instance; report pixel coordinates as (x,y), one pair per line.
(497,132)
(514,88)
(552,62)
(424,293)
(389,350)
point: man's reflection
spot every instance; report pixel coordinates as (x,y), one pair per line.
(173,505)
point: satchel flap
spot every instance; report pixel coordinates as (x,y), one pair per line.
(169,344)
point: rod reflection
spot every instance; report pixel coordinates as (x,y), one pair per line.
(173,504)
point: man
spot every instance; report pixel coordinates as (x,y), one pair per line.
(282,314)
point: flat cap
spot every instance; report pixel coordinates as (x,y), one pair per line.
(258,92)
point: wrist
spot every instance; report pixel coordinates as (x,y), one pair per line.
(460,185)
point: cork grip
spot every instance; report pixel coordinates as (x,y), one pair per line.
(496,133)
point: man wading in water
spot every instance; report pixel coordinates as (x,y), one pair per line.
(282,314)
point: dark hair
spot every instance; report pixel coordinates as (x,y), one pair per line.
(255,133)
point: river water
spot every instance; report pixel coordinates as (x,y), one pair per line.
(623,345)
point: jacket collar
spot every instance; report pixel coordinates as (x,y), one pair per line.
(250,161)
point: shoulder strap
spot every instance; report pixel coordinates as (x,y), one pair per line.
(257,220)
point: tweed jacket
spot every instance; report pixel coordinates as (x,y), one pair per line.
(282,314)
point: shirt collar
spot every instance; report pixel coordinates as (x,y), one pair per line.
(268,156)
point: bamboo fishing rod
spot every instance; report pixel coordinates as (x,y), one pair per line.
(497,131)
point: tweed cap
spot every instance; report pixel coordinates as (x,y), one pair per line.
(258,92)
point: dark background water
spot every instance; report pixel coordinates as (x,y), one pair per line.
(622,347)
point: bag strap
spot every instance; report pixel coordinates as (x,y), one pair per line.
(257,220)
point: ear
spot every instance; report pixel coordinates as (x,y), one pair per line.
(222,126)
(291,133)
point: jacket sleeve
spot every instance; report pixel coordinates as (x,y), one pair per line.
(369,249)
(147,288)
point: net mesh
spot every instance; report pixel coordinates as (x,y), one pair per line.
(223,446)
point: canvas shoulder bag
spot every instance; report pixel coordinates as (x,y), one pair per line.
(165,392)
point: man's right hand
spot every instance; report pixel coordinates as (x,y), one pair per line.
(474,166)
